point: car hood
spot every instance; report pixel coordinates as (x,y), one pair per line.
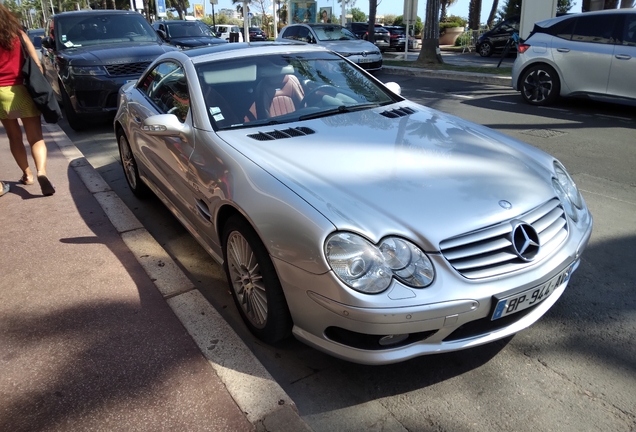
(349,46)
(193,41)
(428,176)
(115,54)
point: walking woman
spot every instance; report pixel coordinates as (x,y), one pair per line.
(16,103)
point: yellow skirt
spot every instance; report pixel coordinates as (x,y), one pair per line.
(16,102)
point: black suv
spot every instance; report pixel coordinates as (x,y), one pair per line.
(89,55)
(495,39)
(186,34)
(257,35)
(398,37)
(382,35)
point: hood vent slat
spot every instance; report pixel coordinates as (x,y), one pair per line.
(398,112)
(280,134)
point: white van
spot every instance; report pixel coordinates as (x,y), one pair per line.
(223,31)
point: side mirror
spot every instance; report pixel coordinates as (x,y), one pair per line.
(162,34)
(311,39)
(394,87)
(166,125)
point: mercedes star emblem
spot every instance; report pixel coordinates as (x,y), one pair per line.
(525,241)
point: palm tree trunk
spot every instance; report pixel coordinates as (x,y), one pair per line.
(429,53)
(474,14)
(493,12)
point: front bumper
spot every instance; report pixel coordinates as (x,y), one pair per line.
(95,95)
(451,315)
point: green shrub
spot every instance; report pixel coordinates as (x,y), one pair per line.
(452,21)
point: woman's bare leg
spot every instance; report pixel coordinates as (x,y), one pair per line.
(14,133)
(33,129)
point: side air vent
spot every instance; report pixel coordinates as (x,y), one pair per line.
(398,112)
(280,134)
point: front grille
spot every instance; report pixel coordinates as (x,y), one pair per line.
(127,68)
(489,252)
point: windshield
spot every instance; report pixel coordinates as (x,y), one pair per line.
(188,29)
(283,88)
(81,30)
(333,33)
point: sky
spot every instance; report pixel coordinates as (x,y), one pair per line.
(394,7)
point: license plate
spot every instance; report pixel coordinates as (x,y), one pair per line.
(525,299)
(365,60)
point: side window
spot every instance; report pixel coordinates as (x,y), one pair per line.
(629,34)
(291,33)
(303,34)
(564,29)
(596,29)
(167,88)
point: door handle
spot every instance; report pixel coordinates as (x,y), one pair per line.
(623,56)
(563,50)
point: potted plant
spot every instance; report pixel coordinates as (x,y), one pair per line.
(450,29)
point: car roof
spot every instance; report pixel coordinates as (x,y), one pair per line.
(99,12)
(243,49)
(551,21)
(173,21)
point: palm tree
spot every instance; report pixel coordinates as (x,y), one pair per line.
(493,12)
(474,14)
(244,7)
(429,53)
(444,5)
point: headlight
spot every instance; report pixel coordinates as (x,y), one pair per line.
(87,70)
(566,190)
(369,268)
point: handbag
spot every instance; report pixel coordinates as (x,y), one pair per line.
(39,88)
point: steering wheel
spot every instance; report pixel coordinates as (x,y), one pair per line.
(312,94)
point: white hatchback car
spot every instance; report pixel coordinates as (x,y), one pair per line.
(593,53)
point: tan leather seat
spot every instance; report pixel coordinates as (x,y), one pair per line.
(278,96)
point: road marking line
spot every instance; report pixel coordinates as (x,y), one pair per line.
(445,94)
(555,109)
(504,102)
(614,117)
(461,96)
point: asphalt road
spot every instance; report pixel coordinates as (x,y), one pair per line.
(574,370)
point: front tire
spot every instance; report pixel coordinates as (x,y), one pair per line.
(74,120)
(485,49)
(540,85)
(253,282)
(131,171)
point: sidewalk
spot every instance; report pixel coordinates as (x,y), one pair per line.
(100,330)
(454,58)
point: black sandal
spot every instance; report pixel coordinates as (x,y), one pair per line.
(45,184)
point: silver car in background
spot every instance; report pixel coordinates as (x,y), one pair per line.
(593,53)
(368,226)
(336,38)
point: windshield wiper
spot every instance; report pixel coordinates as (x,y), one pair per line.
(338,110)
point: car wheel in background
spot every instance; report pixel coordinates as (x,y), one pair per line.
(253,281)
(540,85)
(74,121)
(137,186)
(485,49)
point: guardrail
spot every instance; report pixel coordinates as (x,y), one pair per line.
(468,39)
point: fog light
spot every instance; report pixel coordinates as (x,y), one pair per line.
(392,339)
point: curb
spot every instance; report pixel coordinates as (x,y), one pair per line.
(245,378)
(454,75)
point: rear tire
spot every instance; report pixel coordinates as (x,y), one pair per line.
(254,284)
(540,85)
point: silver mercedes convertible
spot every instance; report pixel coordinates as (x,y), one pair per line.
(368,226)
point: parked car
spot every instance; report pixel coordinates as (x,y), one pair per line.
(366,225)
(257,35)
(495,39)
(36,36)
(89,55)
(381,35)
(584,54)
(224,31)
(186,34)
(335,38)
(398,38)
